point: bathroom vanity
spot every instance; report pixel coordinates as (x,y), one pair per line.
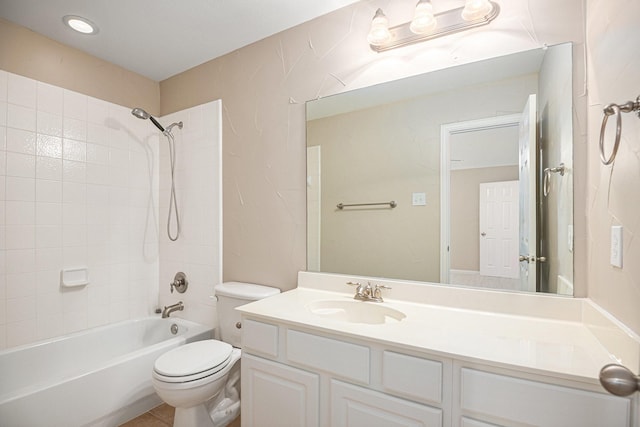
(428,356)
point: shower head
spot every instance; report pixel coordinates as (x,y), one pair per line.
(141,114)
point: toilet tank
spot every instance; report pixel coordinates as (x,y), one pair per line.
(234,294)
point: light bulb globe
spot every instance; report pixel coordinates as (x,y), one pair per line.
(476,9)
(379,33)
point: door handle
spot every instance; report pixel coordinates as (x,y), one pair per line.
(483,234)
(532,258)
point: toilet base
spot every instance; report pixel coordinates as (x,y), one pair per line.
(221,415)
(195,416)
(219,411)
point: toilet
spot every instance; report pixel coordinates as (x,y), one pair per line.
(201,379)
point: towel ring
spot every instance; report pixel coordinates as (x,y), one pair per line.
(611,109)
(546,182)
(615,110)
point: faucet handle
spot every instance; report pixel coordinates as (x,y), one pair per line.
(377,292)
(360,290)
(359,285)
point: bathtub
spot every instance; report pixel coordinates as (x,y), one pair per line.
(97,377)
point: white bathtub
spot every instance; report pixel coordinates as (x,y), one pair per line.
(98,377)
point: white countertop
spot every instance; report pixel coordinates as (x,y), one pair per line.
(555,346)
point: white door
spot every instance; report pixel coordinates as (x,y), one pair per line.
(499,229)
(528,192)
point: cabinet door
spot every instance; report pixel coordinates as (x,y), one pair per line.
(353,406)
(275,395)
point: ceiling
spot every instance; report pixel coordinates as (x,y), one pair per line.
(161,38)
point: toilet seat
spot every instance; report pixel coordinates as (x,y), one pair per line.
(193,361)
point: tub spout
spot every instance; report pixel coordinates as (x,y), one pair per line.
(168,309)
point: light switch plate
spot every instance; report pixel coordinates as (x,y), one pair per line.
(419,199)
(616,246)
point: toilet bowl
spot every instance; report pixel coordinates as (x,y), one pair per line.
(191,378)
(201,379)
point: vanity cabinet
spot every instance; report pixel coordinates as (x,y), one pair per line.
(294,377)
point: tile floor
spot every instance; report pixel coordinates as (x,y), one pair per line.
(161,416)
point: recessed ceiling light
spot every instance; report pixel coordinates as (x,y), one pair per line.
(80,24)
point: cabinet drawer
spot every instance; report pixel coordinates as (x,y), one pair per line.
(341,358)
(530,402)
(355,406)
(414,377)
(260,337)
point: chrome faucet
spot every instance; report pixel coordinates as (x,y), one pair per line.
(367,293)
(168,309)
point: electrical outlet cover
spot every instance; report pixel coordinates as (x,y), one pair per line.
(616,246)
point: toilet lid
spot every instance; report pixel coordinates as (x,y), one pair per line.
(193,358)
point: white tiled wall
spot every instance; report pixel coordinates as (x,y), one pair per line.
(78,179)
(197,252)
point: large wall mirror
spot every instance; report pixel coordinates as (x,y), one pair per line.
(461,176)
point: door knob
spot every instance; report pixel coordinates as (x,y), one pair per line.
(483,234)
(619,380)
(532,258)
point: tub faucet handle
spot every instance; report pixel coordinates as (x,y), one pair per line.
(180,283)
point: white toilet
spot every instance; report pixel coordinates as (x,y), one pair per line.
(201,379)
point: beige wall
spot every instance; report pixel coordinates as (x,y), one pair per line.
(32,55)
(263,88)
(613,196)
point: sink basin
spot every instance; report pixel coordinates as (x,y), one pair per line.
(355,311)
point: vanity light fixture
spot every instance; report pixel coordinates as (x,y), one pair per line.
(426,25)
(80,24)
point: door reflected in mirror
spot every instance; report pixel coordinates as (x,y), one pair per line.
(462,153)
